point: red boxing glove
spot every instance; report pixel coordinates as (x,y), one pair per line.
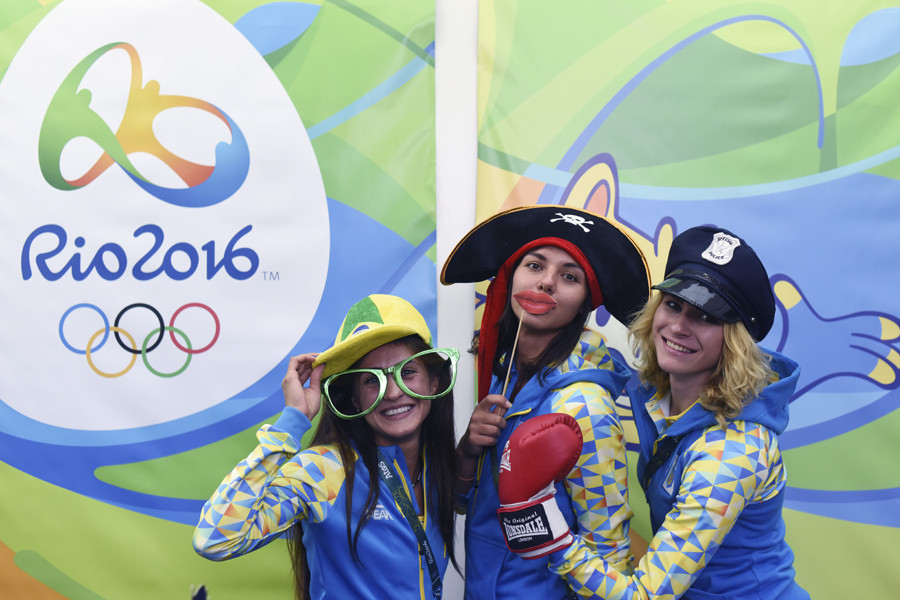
(539,454)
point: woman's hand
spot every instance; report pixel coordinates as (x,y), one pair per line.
(485,426)
(305,399)
(483,432)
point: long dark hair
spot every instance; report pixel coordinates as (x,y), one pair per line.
(554,354)
(439,442)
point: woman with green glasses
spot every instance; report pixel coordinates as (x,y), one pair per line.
(368,507)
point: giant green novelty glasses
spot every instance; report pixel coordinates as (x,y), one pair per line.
(424,376)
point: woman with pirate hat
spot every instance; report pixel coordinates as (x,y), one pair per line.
(551,267)
(708,411)
(369,506)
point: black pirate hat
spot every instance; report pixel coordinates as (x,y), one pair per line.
(617,264)
(614,266)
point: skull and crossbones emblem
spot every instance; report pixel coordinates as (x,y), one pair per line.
(573,220)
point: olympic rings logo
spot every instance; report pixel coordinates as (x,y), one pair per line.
(131,347)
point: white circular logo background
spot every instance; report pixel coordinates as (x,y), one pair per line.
(261,285)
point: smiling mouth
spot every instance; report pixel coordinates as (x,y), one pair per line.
(678,348)
(398,411)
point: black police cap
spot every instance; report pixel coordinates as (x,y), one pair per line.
(719,273)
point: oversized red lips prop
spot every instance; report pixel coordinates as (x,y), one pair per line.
(535,303)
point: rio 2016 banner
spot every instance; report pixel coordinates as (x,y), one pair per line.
(779,121)
(190,193)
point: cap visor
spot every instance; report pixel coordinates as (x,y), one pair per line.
(701,295)
(344,355)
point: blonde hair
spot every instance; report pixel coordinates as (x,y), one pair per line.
(742,372)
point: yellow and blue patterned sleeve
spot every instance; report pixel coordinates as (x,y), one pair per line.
(738,459)
(267,492)
(598,485)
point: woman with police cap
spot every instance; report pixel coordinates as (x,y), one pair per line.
(369,506)
(544,375)
(708,411)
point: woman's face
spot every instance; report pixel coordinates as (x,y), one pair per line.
(398,418)
(552,271)
(688,341)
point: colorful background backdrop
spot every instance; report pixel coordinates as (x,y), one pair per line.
(778,121)
(190,193)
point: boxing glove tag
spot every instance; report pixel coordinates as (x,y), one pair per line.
(526,528)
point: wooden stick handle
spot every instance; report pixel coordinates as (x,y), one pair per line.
(512,357)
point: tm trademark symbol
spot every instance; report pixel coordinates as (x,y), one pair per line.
(270,276)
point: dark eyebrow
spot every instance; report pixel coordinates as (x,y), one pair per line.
(539,256)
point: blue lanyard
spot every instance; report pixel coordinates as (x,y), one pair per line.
(390,478)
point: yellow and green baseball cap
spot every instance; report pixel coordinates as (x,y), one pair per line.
(372,322)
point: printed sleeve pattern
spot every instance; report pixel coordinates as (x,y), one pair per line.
(598,484)
(725,470)
(266,493)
